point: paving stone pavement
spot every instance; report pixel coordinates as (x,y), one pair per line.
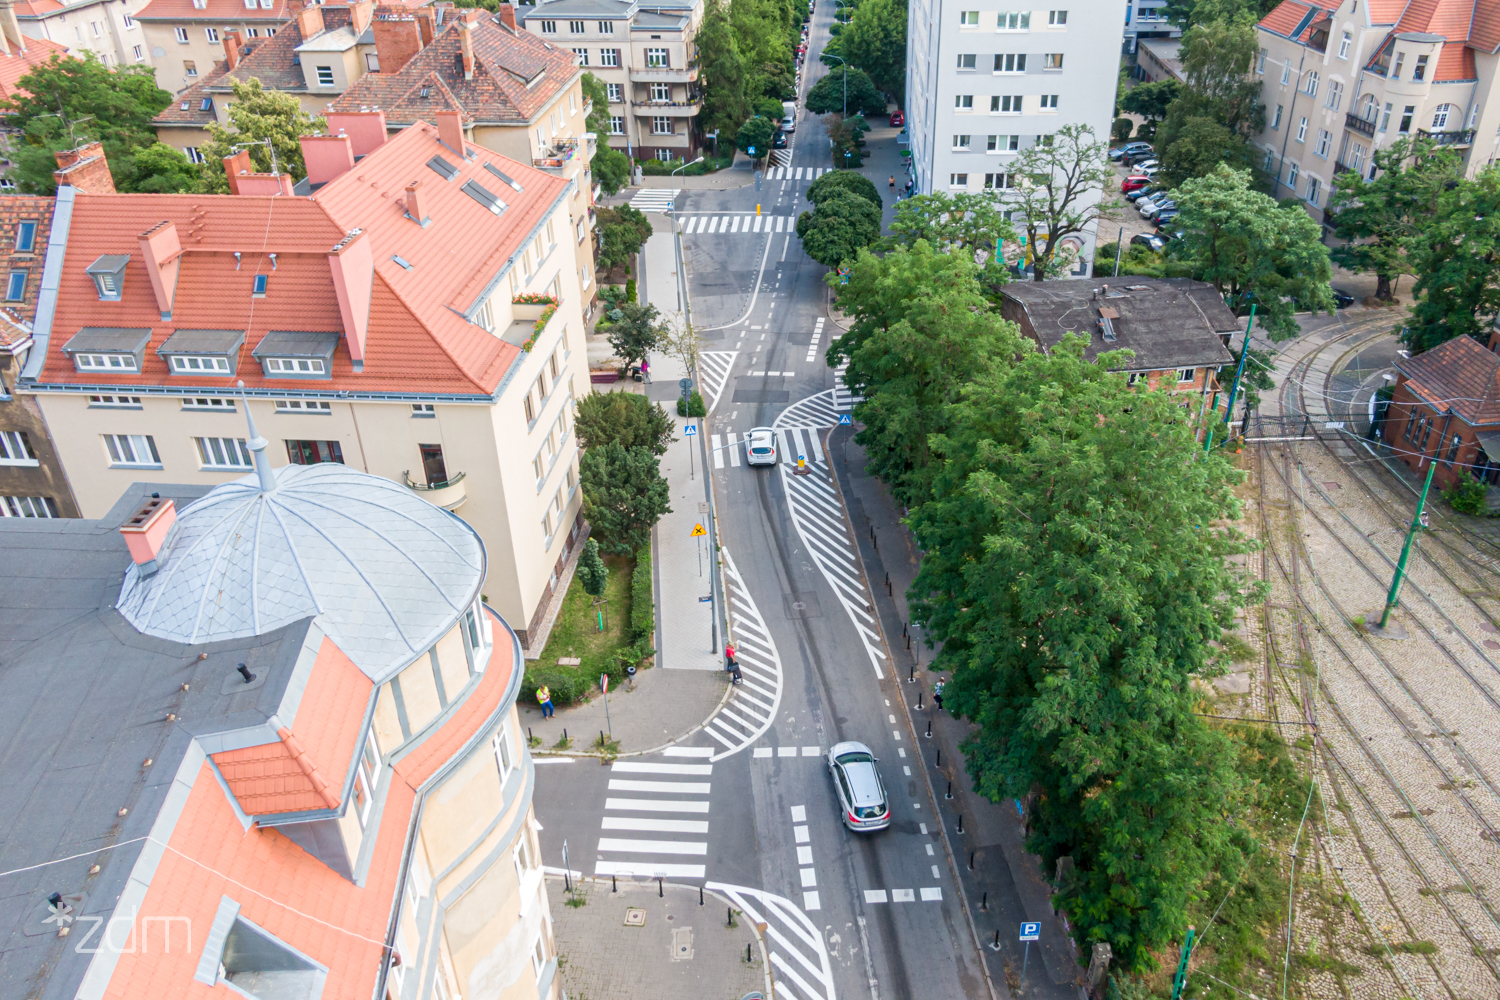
(655,708)
(602,959)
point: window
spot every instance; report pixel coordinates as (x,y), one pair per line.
(212,34)
(661,91)
(1276,118)
(208,403)
(1419,71)
(1453,445)
(1286,72)
(549,27)
(1407,115)
(28,507)
(1439,121)
(296,366)
(15,449)
(1049,102)
(576,27)
(304,406)
(1052,60)
(1385,118)
(26,236)
(1010,62)
(1325,139)
(325,76)
(1395,73)
(94,27)
(1359,157)
(365,784)
(968,18)
(138,52)
(485,315)
(193,154)
(583,55)
(1007,105)
(1302,129)
(962,142)
(1335,95)
(963,102)
(314,452)
(1260,62)
(433,466)
(1313,190)
(958,180)
(615,92)
(1187,375)
(661,126)
(998,181)
(422,410)
(1266,164)
(1003,143)
(966,60)
(1291,175)
(504,754)
(129,22)
(258,285)
(15,286)
(1057,17)
(181,34)
(189,68)
(372,60)
(616,124)
(657,59)
(223,453)
(609,57)
(606,27)
(191,363)
(116,402)
(1310,85)
(104,362)
(1344,44)
(1013,21)
(132,449)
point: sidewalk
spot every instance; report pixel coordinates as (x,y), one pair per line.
(655,708)
(683,951)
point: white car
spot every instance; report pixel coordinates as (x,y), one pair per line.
(788,124)
(1146,165)
(760,446)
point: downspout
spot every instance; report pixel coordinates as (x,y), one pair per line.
(1290,114)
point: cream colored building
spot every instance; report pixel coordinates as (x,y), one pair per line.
(107,28)
(184,38)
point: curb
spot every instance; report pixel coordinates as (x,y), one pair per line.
(728,690)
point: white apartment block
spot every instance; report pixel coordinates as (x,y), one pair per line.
(1147,19)
(984,84)
(1341,82)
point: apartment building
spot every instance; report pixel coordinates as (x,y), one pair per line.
(1340,82)
(411,310)
(107,28)
(283,753)
(984,84)
(647,59)
(1147,19)
(19,55)
(519,95)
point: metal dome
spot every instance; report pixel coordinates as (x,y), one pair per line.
(385,572)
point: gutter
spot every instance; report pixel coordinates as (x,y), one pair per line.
(46,306)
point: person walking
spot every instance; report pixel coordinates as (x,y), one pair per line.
(937,695)
(893,182)
(544,699)
(733,666)
(646,370)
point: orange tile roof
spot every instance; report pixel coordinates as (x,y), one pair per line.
(1466,24)
(416,343)
(213,10)
(37,8)
(1285,17)
(1458,375)
(282,888)
(18,62)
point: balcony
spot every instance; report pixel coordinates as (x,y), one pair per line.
(556,157)
(593,141)
(666,74)
(1454,137)
(1340,167)
(1355,123)
(449,495)
(669,109)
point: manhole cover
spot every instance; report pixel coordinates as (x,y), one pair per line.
(802,605)
(635,917)
(1491,644)
(1488,627)
(682,944)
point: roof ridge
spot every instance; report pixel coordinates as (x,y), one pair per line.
(304,761)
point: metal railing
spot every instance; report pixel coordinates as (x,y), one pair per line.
(452,480)
(1451,137)
(1365,127)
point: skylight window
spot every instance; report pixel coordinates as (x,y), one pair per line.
(402,261)
(258,287)
(479,193)
(502,175)
(442,166)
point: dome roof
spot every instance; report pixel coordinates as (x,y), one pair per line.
(386,572)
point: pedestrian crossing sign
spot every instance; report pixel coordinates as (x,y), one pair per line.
(698,531)
(844,418)
(691,430)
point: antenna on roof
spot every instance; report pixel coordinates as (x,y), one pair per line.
(257,446)
(261,142)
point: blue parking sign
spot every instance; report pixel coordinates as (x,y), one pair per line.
(1031,932)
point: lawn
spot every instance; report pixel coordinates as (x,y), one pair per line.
(576,634)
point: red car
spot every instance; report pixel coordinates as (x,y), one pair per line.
(1133,182)
(897,119)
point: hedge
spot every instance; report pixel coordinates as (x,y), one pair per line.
(642,601)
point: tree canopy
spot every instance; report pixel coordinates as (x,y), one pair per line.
(259,116)
(626,418)
(835,181)
(839,228)
(1064,182)
(756,134)
(1456,257)
(827,96)
(622,231)
(634,331)
(591,571)
(1151,100)
(624,494)
(875,42)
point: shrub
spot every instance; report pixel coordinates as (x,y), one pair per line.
(629,289)
(642,601)
(1467,498)
(1121,129)
(567,686)
(692,406)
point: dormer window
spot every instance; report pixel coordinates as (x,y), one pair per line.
(296,354)
(108,349)
(193,364)
(105,362)
(295,366)
(108,274)
(214,353)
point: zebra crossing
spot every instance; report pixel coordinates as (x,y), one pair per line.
(655,199)
(843,399)
(812,347)
(651,808)
(796,173)
(713,374)
(709,225)
(730,448)
(800,968)
(753,703)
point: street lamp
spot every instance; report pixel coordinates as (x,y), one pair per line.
(673,206)
(828,55)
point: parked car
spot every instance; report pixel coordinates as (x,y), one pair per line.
(1165,216)
(1154,242)
(1157,207)
(1341,298)
(856,781)
(761,446)
(1144,205)
(1141,166)
(1142,192)
(1120,152)
(1137,156)
(898,119)
(1151,171)
(788,124)
(778,141)
(1134,183)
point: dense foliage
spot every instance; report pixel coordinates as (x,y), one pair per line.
(746,55)
(628,418)
(830,95)
(624,495)
(267,123)
(621,232)
(839,228)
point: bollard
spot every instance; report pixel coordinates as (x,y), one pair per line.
(614,883)
(984,901)
(565,736)
(729,921)
(929,727)
(908,643)
(912,674)
(971,861)
(904,634)
(660,894)
(939,761)
(601,739)
(748,959)
(529,737)
(919,699)
(949,793)
(700,895)
(960,822)
(997,938)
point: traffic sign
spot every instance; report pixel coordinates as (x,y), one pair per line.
(684,384)
(698,531)
(604,683)
(751,151)
(706,600)
(1031,932)
(691,430)
(845,419)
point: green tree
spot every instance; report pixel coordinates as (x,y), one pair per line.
(766,32)
(1065,179)
(845,135)
(1256,378)
(622,232)
(721,71)
(634,331)
(1075,619)
(1197,147)
(827,96)
(611,168)
(1216,60)
(165,170)
(966,221)
(65,101)
(1121,129)
(595,93)
(755,134)
(838,229)
(875,42)
(1456,257)
(624,495)
(1244,242)
(836,181)
(591,571)
(1378,218)
(1151,100)
(259,116)
(626,418)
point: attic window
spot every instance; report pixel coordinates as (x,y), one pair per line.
(502,175)
(402,261)
(425,93)
(108,274)
(442,166)
(254,961)
(207,105)
(478,192)
(258,286)
(184,105)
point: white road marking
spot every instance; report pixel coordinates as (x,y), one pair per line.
(812,751)
(696,847)
(647,768)
(875,896)
(786,751)
(799,833)
(804,855)
(809,902)
(655,825)
(903,896)
(929,850)
(809,877)
(799,814)
(762,751)
(934,875)
(688,752)
(681,787)
(932,895)
(650,869)
(660,805)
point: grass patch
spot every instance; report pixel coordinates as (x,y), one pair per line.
(1327,963)
(1238,649)
(576,634)
(1405,948)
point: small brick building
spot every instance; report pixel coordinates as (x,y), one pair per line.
(1446,407)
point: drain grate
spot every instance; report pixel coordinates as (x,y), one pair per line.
(635,917)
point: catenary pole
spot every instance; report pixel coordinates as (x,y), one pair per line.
(1394,597)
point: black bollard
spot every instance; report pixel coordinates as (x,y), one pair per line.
(700,895)
(565,735)
(748,959)
(614,883)
(660,894)
(729,921)
(997,937)
(912,675)
(949,793)
(960,822)
(939,761)
(929,727)
(971,861)
(984,901)
(919,699)
(529,737)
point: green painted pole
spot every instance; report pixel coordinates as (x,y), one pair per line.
(1393,598)
(1180,980)
(1234,386)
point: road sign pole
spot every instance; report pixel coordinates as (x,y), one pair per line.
(1025,956)
(604,686)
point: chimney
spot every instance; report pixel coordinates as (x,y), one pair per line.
(326,157)
(365,129)
(232,46)
(234,167)
(242,179)
(426,21)
(508,15)
(360,12)
(310,21)
(10,29)
(162,251)
(147,533)
(352,263)
(414,204)
(84,168)
(466,42)
(396,39)
(451,129)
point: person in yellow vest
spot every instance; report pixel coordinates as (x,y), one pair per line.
(544,699)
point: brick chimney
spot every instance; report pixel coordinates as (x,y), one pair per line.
(326,157)
(508,15)
(414,204)
(233,44)
(243,180)
(162,250)
(360,13)
(427,19)
(465,31)
(451,130)
(366,129)
(397,39)
(147,533)
(84,168)
(351,262)
(310,21)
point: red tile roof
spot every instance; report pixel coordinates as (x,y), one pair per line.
(1466,24)
(1285,17)
(417,342)
(213,10)
(1458,374)
(15,209)
(36,8)
(18,62)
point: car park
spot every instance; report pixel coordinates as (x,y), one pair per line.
(1151,171)
(863,804)
(1130,148)
(897,119)
(1143,205)
(1154,242)
(1341,298)
(1165,216)
(1142,192)
(1138,156)
(1134,183)
(788,124)
(1141,166)
(1157,207)
(760,446)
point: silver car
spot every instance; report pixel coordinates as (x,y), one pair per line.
(760,446)
(856,781)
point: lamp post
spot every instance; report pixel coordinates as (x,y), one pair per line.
(673,206)
(827,55)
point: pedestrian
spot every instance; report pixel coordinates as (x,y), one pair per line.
(893,182)
(735,671)
(729,654)
(646,370)
(937,695)
(544,699)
